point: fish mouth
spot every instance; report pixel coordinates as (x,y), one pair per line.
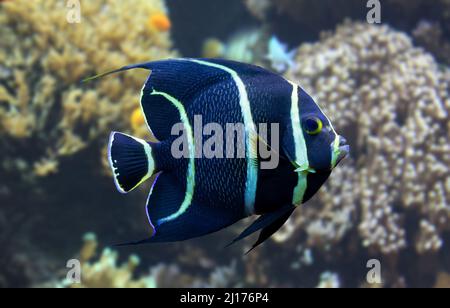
(340,150)
(344,150)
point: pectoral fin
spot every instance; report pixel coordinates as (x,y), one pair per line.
(268,231)
(269,222)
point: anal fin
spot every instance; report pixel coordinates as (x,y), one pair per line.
(175,216)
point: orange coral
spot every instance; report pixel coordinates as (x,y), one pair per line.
(160,22)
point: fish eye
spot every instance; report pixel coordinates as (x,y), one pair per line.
(312,125)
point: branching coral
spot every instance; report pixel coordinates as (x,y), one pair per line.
(392,101)
(105,272)
(43,57)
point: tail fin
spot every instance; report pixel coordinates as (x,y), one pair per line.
(131,161)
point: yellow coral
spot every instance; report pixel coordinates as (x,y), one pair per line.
(45,167)
(89,248)
(43,58)
(104,272)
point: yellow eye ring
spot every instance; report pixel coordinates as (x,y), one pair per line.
(312,125)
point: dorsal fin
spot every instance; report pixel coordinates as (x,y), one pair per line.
(181,79)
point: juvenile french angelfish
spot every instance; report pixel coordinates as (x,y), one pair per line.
(194,196)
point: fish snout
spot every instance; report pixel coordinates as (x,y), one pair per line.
(344,149)
(340,150)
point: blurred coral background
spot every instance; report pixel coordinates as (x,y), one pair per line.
(385,87)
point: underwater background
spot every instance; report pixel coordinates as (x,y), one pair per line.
(385,87)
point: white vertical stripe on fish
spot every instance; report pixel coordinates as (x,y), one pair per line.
(190,177)
(250,135)
(301,152)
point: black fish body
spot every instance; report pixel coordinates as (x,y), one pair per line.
(196,195)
